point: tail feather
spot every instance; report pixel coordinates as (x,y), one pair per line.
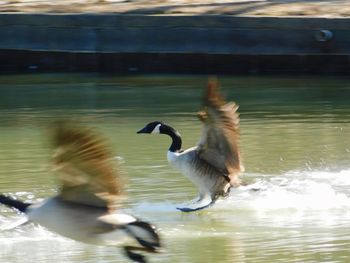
(136,257)
(145,234)
(13,203)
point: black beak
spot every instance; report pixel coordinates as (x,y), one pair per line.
(143,130)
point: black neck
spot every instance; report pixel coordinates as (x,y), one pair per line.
(10,202)
(175,136)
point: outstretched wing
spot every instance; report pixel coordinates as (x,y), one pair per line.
(87,170)
(219,144)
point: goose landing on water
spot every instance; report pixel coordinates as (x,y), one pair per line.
(214,164)
(86,208)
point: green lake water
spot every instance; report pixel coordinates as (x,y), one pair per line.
(295,141)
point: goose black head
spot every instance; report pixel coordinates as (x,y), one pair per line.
(152,127)
(159,127)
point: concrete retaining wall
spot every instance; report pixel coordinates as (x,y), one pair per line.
(203,37)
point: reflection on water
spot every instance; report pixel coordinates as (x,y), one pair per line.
(295,143)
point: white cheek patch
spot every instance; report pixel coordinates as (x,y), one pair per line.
(156,129)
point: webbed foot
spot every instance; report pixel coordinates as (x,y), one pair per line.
(199,205)
(12,225)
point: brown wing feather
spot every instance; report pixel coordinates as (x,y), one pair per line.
(220,135)
(88,172)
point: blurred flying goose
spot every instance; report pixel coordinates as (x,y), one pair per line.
(214,164)
(86,207)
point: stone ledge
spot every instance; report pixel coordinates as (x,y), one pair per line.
(295,44)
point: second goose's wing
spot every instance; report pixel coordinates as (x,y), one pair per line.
(219,141)
(87,169)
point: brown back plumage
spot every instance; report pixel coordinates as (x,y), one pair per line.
(219,143)
(88,172)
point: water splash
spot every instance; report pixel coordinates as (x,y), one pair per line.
(300,190)
(293,190)
(289,200)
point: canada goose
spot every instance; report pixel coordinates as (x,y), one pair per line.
(86,207)
(214,164)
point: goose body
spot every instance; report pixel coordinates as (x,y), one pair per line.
(86,207)
(210,182)
(65,219)
(214,165)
